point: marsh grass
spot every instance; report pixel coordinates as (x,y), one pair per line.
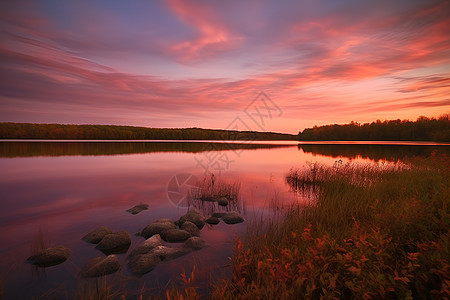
(209,190)
(375,231)
(40,241)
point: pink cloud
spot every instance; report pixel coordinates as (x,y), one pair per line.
(212,36)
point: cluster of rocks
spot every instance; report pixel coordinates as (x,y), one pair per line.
(137,209)
(145,256)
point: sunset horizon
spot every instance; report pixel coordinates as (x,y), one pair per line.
(178,64)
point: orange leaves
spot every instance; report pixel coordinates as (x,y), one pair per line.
(354,270)
(306,235)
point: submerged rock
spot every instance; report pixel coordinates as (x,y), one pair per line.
(207,198)
(191,228)
(163,220)
(175,235)
(142,264)
(223,201)
(112,243)
(218,214)
(147,245)
(167,253)
(49,257)
(100,266)
(137,209)
(96,235)
(194,243)
(232,218)
(212,220)
(193,216)
(157,227)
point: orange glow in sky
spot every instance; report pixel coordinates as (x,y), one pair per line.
(201,63)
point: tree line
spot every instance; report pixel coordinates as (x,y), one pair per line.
(10,130)
(423,129)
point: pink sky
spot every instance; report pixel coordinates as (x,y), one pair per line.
(202,63)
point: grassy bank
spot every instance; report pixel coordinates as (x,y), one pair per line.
(375,231)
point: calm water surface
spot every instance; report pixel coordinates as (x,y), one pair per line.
(67,189)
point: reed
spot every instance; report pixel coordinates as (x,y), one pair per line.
(376,231)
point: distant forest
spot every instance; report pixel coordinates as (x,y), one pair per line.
(111,132)
(423,129)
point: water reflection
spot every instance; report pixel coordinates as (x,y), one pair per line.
(71,188)
(372,151)
(27,149)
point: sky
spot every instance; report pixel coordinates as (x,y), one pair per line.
(266,65)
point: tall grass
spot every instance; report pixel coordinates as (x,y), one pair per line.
(375,231)
(209,190)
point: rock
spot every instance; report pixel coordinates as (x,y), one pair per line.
(157,227)
(194,243)
(208,199)
(142,264)
(191,228)
(163,220)
(49,257)
(112,243)
(232,218)
(175,235)
(218,214)
(193,216)
(147,245)
(96,235)
(137,209)
(166,253)
(223,201)
(100,266)
(212,220)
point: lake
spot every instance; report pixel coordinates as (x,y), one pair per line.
(65,189)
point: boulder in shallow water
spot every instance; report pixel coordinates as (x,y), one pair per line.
(167,253)
(212,220)
(49,257)
(147,245)
(191,228)
(175,235)
(157,227)
(144,263)
(113,243)
(194,243)
(100,266)
(218,214)
(96,235)
(222,201)
(163,220)
(232,218)
(137,209)
(193,216)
